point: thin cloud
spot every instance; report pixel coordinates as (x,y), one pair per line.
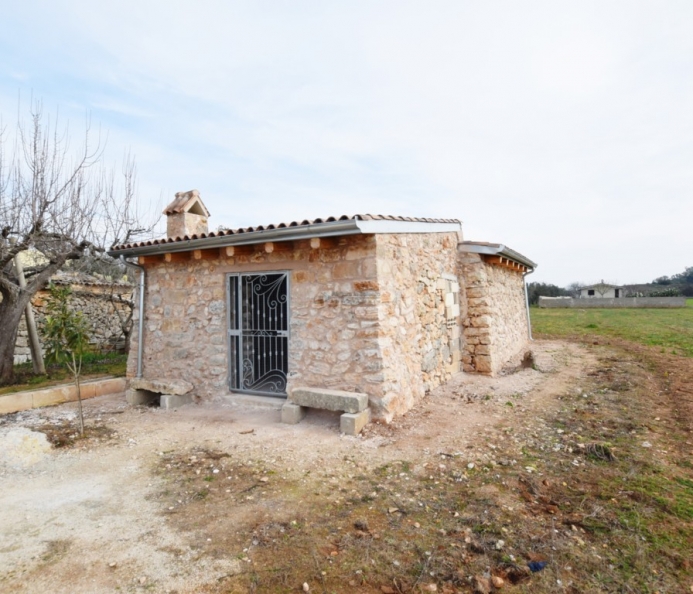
(561,129)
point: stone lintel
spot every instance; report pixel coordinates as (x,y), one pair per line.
(349,402)
(174,387)
(352,423)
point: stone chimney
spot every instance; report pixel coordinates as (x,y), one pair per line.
(186,215)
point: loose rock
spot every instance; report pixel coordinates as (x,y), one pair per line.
(497,581)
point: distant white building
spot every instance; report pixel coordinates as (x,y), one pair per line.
(602,291)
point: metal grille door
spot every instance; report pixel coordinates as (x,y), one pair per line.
(258,333)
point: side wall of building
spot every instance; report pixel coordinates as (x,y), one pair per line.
(333,338)
(496,334)
(419,313)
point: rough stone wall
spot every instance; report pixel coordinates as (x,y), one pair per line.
(393,316)
(333,338)
(185,223)
(22,352)
(419,332)
(101,314)
(495,327)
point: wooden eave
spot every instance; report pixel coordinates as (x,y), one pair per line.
(507,263)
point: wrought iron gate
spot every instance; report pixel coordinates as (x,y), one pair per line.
(258,333)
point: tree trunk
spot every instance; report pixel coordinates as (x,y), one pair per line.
(12,308)
(11,312)
(79,405)
(8,337)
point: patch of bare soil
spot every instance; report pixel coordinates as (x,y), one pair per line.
(546,480)
(64,434)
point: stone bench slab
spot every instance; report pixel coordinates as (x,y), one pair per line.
(348,402)
(173,387)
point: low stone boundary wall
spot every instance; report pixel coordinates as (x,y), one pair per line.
(105,308)
(18,401)
(597,302)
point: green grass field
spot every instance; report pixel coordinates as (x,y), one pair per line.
(670,329)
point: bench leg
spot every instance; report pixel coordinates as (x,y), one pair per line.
(139,397)
(169,401)
(352,423)
(292,413)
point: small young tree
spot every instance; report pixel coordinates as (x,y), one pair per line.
(67,338)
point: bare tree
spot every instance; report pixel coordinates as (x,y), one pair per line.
(574,288)
(64,203)
(603,287)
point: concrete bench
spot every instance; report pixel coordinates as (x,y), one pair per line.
(170,393)
(353,405)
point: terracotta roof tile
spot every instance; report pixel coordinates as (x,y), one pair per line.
(304,223)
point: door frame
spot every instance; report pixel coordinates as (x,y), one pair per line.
(230,333)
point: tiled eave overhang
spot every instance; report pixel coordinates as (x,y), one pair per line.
(497,253)
(293,232)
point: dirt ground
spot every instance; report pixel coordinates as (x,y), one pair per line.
(201,499)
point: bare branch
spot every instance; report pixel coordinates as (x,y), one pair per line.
(59,202)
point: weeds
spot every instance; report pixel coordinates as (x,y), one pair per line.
(94,365)
(588,509)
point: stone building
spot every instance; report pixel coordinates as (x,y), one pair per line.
(385,306)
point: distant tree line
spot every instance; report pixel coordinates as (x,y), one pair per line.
(678,284)
(536,290)
(663,286)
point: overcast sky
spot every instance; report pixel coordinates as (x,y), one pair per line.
(562,129)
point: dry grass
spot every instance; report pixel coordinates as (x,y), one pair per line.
(578,490)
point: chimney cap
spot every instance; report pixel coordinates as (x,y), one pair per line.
(189,201)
